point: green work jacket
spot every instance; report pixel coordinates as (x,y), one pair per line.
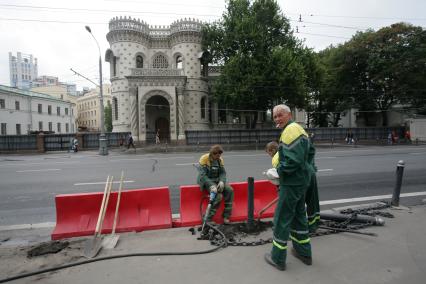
(210,171)
(296,156)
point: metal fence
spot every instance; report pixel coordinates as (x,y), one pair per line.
(18,142)
(244,136)
(91,140)
(58,142)
(263,136)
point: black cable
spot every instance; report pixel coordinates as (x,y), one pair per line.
(24,275)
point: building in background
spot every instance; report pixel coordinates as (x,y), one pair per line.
(22,112)
(160,81)
(88,108)
(23,70)
(43,81)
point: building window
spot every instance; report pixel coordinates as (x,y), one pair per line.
(50,126)
(139,61)
(40,108)
(58,110)
(3,129)
(67,128)
(17,107)
(40,125)
(203,108)
(59,127)
(2,103)
(66,111)
(49,109)
(18,129)
(179,62)
(115,108)
(114,66)
(160,61)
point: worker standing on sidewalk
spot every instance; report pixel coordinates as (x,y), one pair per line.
(212,177)
(311,197)
(295,153)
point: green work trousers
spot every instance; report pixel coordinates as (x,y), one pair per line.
(312,204)
(290,222)
(228,196)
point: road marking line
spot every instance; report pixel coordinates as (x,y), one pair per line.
(27,226)
(29,164)
(43,170)
(418,153)
(101,182)
(368,198)
(325,158)
(186,164)
(174,216)
(325,170)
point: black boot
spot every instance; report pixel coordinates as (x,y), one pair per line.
(305,259)
(268,259)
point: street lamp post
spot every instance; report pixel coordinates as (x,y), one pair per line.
(103,143)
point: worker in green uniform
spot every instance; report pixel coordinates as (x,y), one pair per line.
(311,197)
(295,172)
(212,178)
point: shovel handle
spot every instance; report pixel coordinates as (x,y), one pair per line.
(102,206)
(118,203)
(267,207)
(105,206)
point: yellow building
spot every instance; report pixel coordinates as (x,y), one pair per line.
(89,116)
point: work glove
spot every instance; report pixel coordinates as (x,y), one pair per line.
(213,188)
(220,186)
(272,176)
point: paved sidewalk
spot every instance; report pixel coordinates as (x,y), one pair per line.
(397,255)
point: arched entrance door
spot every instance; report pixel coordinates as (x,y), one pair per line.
(157,111)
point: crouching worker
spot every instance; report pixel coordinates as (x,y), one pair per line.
(212,178)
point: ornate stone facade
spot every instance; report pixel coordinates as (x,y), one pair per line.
(157,78)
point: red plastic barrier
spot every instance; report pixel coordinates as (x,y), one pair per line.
(140,209)
(191,197)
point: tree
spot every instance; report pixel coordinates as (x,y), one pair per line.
(377,70)
(260,57)
(108,118)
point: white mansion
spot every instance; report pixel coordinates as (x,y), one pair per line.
(158,79)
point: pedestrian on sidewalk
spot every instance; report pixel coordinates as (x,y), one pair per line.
(295,153)
(212,178)
(157,137)
(130,142)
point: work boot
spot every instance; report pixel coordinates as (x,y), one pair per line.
(305,259)
(226,221)
(268,259)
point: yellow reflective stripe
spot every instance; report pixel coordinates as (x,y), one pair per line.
(317,218)
(278,245)
(301,241)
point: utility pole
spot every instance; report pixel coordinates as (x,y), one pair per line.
(103,143)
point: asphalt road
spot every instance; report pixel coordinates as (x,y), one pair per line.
(29,183)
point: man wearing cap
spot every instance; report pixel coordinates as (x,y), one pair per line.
(212,177)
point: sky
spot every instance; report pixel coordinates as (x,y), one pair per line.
(54,31)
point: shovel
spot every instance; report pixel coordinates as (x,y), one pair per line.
(94,245)
(266,208)
(111,241)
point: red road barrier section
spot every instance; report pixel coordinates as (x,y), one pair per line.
(191,197)
(140,209)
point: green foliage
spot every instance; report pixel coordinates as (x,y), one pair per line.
(261,59)
(108,118)
(377,70)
